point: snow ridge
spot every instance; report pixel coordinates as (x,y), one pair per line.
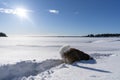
(26,68)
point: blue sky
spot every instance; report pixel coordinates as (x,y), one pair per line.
(59,17)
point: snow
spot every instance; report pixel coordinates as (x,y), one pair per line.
(38,58)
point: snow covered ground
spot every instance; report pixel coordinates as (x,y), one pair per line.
(37,58)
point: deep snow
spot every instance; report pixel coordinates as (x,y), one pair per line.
(38,58)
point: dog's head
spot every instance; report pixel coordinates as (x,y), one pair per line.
(64,49)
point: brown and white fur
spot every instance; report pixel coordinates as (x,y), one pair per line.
(70,55)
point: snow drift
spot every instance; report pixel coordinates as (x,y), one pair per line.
(26,68)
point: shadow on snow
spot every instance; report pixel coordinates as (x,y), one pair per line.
(89,68)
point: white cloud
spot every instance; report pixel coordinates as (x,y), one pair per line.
(11,11)
(7,11)
(54,11)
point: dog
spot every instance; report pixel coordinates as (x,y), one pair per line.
(70,55)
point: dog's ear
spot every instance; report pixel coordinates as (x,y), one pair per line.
(64,49)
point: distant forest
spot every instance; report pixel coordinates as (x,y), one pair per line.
(2,34)
(103,35)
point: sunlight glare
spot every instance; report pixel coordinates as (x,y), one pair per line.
(21,12)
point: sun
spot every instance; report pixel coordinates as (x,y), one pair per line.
(21,12)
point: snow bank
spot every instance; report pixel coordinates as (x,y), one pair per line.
(26,68)
(79,70)
(32,70)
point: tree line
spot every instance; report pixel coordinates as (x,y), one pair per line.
(2,34)
(103,35)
